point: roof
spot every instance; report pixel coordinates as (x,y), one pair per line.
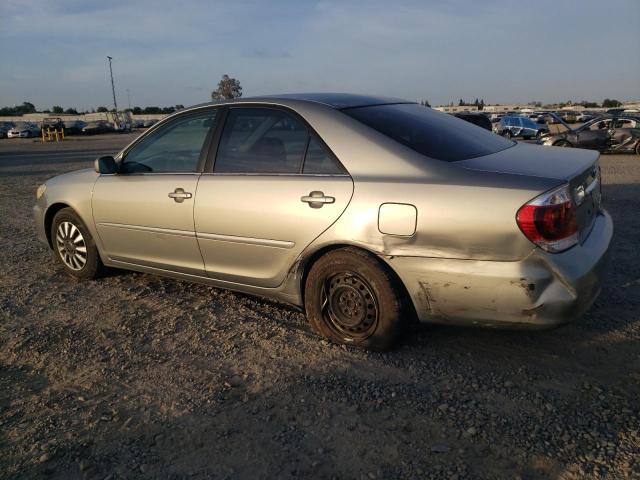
(334,100)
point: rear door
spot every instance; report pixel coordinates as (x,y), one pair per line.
(274,188)
(144,214)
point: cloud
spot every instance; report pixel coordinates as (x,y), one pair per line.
(435,49)
(265,54)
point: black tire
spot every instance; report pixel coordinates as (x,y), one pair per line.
(507,134)
(351,298)
(638,148)
(562,143)
(67,249)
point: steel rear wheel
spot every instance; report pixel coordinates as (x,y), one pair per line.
(351,298)
(349,306)
(73,245)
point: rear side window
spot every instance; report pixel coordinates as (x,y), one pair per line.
(261,140)
(319,161)
(429,132)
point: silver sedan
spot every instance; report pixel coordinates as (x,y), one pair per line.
(364,211)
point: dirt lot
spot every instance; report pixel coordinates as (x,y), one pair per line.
(135,376)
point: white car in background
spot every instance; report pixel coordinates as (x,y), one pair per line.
(23,130)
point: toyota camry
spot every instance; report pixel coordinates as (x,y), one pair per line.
(364,211)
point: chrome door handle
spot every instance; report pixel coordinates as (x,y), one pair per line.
(179,195)
(317,199)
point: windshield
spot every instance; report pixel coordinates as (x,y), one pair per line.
(429,132)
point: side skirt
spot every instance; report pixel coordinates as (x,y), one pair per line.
(269,293)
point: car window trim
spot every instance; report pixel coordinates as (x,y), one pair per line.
(215,144)
(304,153)
(164,122)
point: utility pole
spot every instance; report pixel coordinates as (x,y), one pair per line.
(113,88)
(129,99)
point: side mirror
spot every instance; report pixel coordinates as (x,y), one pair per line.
(106,165)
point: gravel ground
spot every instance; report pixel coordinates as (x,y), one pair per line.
(134,376)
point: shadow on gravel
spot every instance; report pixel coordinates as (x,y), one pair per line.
(36,173)
(139,376)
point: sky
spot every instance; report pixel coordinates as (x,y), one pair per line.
(53,52)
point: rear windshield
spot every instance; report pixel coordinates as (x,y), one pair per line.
(429,132)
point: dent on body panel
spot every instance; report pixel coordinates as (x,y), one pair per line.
(470,291)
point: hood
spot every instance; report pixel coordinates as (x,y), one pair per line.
(560,120)
(536,161)
(76,177)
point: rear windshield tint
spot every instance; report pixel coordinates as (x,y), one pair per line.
(429,132)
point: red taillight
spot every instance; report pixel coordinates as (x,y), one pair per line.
(549,220)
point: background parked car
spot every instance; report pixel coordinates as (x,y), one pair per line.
(74,127)
(99,126)
(584,117)
(23,130)
(149,123)
(516,126)
(478,119)
(568,116)
(4,128)
(607,134)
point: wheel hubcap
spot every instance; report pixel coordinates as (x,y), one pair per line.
(71,246)
(349,306)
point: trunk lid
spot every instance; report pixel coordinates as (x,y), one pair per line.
(577,167)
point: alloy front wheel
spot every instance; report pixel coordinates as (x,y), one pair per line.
(71,246)
(74,246)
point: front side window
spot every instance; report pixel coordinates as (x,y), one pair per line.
(600,125)
(174,148)
(261,140)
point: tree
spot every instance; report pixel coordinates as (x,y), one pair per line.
(611,103)
(57,109)
(426,103)
(71,111)
(26,107)
(461,103)
(102,109)
(228,88)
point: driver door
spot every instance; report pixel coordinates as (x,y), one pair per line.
(144,213)
(595,136)
(622,133)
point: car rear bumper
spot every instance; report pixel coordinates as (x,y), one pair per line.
(541,290)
